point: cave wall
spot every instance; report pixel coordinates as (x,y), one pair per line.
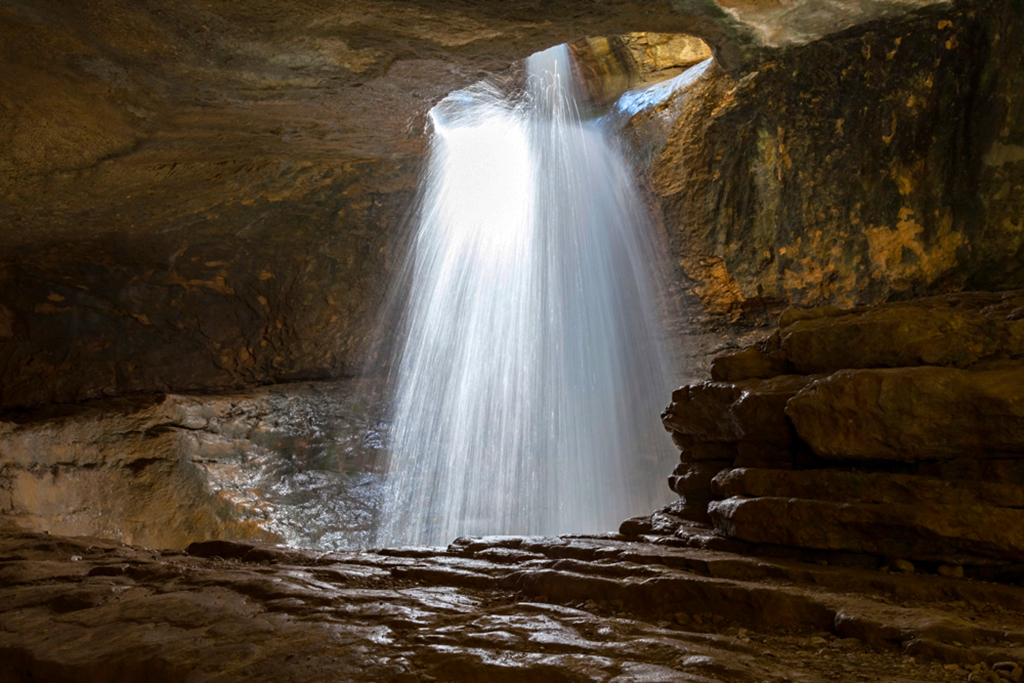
(883,162)
(197,196)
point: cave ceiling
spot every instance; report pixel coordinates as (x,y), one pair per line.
(197,195)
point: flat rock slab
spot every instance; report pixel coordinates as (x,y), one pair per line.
(491,609)
(916,531)
(861,487)
(913,413)
(958,331)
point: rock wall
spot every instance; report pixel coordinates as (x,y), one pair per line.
(291,463)
(876,163)
(882,435)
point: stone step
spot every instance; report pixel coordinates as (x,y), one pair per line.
(952,534)
(958,331)
(908,414)
(861,487)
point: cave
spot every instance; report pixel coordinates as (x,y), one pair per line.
(726,385)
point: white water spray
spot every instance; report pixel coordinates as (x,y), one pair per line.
(532,374)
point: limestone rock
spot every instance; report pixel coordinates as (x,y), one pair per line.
(195,214)
(915,531)
(763,454)
(187,214)
(755,236)
(749,363)
(940,331)
(750,410)
(795,314)
(692,481)
(702,451)
(863,487)
(177,469)
(913,413)
(505,608)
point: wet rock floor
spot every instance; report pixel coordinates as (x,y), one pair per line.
(493,609)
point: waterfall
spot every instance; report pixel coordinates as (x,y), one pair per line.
(528,388)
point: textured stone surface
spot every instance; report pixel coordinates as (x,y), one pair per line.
(913,413)
(201,196)
(210,195)
(692,481)
(958,330)
(498,609)
(289,463)
(957,533)
(750,410)
(752,362)
(864,487)
(885,161)
(922,461)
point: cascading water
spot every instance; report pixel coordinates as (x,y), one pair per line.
(528,389)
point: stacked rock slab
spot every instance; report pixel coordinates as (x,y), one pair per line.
(891,434)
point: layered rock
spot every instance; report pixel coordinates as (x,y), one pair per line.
(886,160)
(500,608)
(293,463)
(891,432)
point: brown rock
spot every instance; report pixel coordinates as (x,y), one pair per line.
(763,454)
(177,213)
(751,410)
(930,332)
(973,469)
(710,450)
(914,531)
(170,471)
(753,244)
(795,314)
(692,481)
(859,487)
(684,442)
(951,571)
(750,363)
(912,413)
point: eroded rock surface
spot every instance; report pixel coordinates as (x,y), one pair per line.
(293,463)
(201,196)
(497,609)
(905,443)
(913,413)
(855,168)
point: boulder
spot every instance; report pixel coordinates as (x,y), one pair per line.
(916,531)
(913,413)
(750,410)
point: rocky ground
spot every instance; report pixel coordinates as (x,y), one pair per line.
(491,609)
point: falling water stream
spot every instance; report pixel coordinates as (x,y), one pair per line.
(532,373)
